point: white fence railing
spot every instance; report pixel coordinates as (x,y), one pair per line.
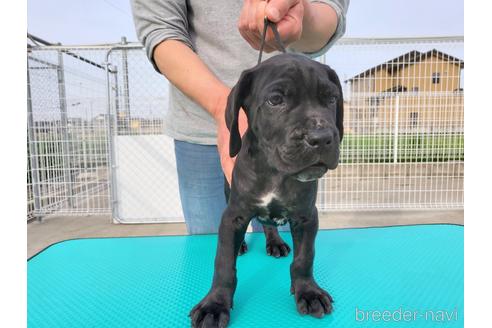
(96,144)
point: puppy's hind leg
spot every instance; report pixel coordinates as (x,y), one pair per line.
(243,248)
(275,245)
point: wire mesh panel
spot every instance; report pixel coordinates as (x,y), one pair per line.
(145,178)
(96,142)
(404,138)
(67,134)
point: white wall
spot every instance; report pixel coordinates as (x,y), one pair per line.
(146,180)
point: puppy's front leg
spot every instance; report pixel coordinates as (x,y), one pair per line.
(213,309)
(309,297)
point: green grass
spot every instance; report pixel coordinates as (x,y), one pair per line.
(411,148)
(355,149)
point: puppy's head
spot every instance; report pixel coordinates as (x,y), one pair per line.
(294,107)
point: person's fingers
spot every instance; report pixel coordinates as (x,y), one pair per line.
(286,13)
(243,23)
(259,17)
(260,24)
(255,26)
(290,27)
(276,9)
(251,23)
(247,24)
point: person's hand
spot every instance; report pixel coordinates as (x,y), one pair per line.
(223,136)
(287,14)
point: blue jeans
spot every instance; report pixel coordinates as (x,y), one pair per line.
(201,187)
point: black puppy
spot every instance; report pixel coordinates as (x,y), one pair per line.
(294,107)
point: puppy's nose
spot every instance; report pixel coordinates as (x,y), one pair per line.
(319,138)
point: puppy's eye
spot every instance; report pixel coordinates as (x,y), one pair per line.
(327,96)
(275,99)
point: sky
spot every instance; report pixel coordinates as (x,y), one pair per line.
(77,22)
(106,21)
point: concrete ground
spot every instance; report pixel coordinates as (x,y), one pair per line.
(58,228)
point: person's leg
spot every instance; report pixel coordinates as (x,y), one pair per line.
(201,186)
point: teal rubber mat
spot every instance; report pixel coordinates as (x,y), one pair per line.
(409,276)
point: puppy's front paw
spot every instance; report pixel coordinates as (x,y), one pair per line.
(311,299)
(277,248)
(211,312)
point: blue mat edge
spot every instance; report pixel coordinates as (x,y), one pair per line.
(211,234)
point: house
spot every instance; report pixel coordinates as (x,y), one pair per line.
(425,88)
(432,71)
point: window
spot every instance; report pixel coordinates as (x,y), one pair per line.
(414,119)
(374,101)
(436,77)
(415,89)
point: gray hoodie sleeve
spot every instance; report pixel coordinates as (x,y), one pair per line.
(157,20)
(340,7)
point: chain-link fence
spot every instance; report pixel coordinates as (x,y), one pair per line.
(97,145)
(404,120)
(67,131)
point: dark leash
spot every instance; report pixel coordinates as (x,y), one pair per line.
(273,26)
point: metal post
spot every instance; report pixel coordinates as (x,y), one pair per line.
(126,90)
(33,151)
(111,123)
(116,89)
(67,167)
(395,134)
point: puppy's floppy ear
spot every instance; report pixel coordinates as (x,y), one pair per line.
(332,75)
(236,100)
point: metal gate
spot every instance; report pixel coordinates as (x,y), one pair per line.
(144,179)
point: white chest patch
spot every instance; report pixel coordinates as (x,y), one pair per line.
(277,221)
(264,202)
(267,199)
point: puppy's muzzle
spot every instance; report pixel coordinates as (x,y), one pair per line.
(319,138)
(319,135)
